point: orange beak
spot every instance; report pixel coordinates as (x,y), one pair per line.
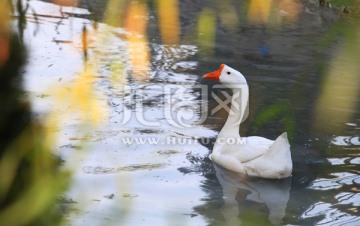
(214,75)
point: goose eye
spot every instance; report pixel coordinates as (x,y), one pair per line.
(228,72)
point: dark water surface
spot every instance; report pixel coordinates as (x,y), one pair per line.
(287,67)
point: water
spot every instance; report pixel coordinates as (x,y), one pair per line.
(287,68)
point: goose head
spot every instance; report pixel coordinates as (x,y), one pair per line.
(234,80)
(227,76)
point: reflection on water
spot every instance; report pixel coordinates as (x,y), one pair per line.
(346,140)
(341,207)
(272,193)
(336,181)
(331,215)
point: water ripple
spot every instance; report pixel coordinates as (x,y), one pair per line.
(331,216)
(338,180)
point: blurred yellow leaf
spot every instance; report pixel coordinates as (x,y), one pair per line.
(41,175)
(41,195)
(169,21)
(207,31)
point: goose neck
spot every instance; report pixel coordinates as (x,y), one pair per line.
(237,112)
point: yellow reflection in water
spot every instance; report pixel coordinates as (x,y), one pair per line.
(169,21)
(207,31)
(274,12)
(340,92)
(138,46)
(114,12)
(290,9)
(259,11)
(80,100)
(227,14)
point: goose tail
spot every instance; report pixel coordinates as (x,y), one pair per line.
(280,153)
(276,163)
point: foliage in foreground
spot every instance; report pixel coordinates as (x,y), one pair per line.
(31,179)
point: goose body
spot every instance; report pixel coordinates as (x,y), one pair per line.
(252,156)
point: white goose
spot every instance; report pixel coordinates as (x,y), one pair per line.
(252,156)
